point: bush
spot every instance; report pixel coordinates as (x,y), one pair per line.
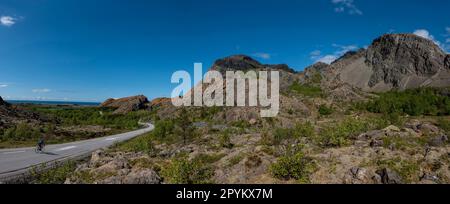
(281,134)
(295,166)
(325,110)
(183,171)
(304,130)
(21,132)
(415,102)
(225,140)
(163,128)
(306,90)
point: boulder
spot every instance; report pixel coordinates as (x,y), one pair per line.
(142,177)
(389,176)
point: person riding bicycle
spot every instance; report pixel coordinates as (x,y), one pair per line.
(41,144)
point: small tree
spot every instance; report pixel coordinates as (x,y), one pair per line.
(184,123)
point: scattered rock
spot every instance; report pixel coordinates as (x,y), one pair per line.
(142,177)
(389,177)
(438,141)
(392,128)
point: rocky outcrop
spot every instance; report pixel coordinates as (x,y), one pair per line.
(11,115)
(115,168)
(126,105)
(245,63)
(394,61)
(406,61)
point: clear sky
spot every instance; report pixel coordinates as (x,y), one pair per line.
(86,50)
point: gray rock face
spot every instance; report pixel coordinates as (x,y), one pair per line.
(397,56)
(389,177)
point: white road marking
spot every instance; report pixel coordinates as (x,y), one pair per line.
(111,139)
(66,148)
(16,152)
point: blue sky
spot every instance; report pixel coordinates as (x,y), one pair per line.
(84,50)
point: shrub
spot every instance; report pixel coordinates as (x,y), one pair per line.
(163,128)
(184,171)
(225,140)
(295,166)
(325,110)
(281,134)
(304,130)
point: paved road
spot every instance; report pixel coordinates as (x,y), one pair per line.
(14,162)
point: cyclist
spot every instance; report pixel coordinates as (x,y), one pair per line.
(41,145)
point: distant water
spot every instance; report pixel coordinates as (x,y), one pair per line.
(54,103)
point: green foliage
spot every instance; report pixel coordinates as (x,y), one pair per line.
(163,129)
(293,166)
(94,116)
(415,102)
(225,139)
(281,134)
(55,175)
(325,110)
(140,144)
(306,90)
(236,159)
(208,113)
(304,130)
(408,170)
(444,123)
(21,132)
(340,134)
(184,171)
(241,124)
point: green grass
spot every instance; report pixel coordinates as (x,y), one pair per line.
(306,90)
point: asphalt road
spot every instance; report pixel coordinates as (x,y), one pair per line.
(14,162)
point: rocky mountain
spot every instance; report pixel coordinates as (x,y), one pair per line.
(126,105)
(393,61)
(10,115)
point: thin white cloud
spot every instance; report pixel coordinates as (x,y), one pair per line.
(41,90)
(342,6)
(262,55)
(328,59)
(8,21)
(426,34)
(3,85)
(447,35)
(317,56)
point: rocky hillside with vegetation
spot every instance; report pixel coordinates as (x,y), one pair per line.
(379,115)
